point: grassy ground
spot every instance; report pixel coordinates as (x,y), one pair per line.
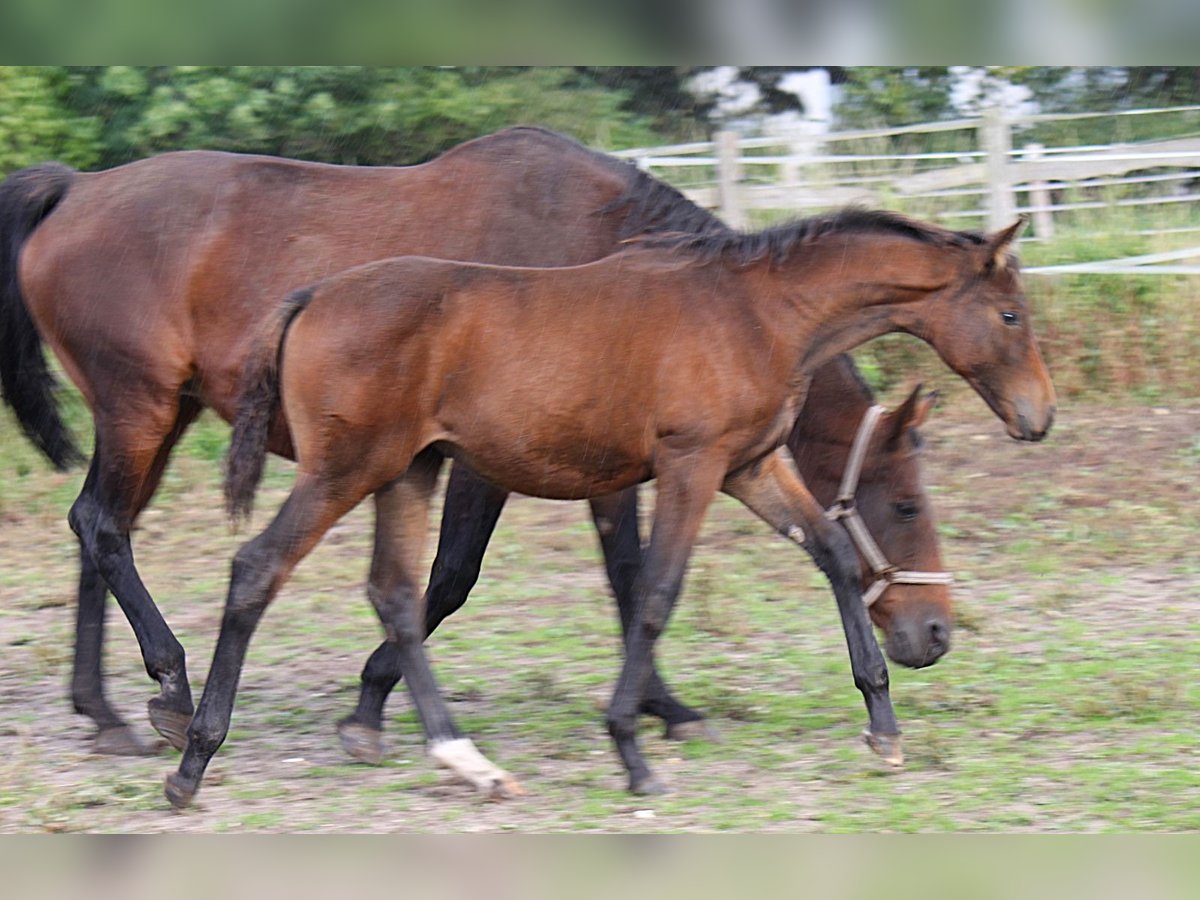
(1067,703)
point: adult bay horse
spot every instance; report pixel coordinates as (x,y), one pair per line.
(390,367)
(148,281)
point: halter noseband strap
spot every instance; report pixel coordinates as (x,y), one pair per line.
(845,511)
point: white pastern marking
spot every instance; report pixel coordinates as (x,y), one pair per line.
(796,533)
(463,758)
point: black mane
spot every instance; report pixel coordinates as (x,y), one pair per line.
(654,207)
(778,243)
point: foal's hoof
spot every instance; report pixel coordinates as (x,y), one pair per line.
(171,724)
(887,747)
(179,792)
(362,743)
(647,786)
(462,757)
(505,787)
(692,730)
(120,740)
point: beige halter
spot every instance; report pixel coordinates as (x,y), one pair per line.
(845,511)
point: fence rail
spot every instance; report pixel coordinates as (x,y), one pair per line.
(987,179)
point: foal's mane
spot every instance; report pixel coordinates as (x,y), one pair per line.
(780,242)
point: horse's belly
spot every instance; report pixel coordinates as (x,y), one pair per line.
(572,471)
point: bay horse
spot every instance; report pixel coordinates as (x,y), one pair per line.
(149,280)
(392,366)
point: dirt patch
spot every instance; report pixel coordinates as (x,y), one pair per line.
(1078,586)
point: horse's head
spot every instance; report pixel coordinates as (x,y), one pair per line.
(983,329)
(890,499)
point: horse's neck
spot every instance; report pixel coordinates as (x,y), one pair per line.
(853,289)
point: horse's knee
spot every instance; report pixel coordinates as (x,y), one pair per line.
(834,553)
(621,727)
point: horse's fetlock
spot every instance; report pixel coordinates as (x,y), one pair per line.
(621,727)
(205,738)
(874,679)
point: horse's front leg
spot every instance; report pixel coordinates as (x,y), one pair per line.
(616,519)
(772,488)
(685,488)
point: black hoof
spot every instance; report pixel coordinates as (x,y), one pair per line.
(179,792)
(361,742)
(647,787)
(693,730)
(170,723)
(887,747)
(120,741)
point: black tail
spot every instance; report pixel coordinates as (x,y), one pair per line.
(28,385)
(258,399)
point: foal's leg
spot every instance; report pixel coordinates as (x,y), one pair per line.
(685,489)
(398,601)
(616,518)
(127,465)
(469,515)
(773,489)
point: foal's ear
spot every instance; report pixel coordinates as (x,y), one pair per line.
(912,413)
(996,245)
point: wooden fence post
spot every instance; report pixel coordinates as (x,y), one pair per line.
(728,176)
(1039,198)
(996,138)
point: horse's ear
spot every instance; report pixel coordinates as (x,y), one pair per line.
(912,413)
(996,245)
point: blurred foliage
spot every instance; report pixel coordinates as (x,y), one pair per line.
(886,95)
(34,125)
(108,115)
(345,114)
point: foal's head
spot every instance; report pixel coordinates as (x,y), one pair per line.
(917,619)
(983,330)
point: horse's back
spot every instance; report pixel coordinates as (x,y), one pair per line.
(170,263)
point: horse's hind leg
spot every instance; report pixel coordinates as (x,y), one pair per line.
(397,600)
(113,735)
(616,519)
(259,570)
(118,486)
(469,515)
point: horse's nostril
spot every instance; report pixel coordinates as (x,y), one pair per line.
(1024,426)
(939,634)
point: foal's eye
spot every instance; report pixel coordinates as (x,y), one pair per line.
(1010,317)
(906,510)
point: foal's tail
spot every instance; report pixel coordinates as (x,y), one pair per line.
(258,400)
(26,382)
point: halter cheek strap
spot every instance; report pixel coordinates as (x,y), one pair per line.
(845,511)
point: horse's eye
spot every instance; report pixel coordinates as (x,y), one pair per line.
(1010,317)
(906,510)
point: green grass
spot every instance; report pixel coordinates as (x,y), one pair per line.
(1068,702)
